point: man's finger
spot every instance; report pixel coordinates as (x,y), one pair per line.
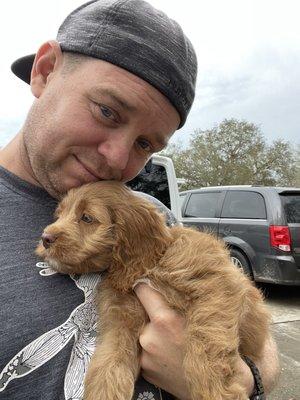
(151,300)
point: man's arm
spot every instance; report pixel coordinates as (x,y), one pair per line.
(162,342)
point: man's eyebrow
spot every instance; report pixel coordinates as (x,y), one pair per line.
(115,96)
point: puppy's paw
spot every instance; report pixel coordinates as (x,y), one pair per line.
(109,383)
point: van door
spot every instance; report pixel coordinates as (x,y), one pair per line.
(202,209)
(290,201)
(244,225)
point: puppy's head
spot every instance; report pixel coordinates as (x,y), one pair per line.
(81,239)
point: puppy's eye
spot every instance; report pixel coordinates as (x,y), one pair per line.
(86,218)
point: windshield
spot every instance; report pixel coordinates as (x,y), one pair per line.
(181,199)
(153,180)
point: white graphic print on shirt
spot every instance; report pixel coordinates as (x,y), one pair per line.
(81,325)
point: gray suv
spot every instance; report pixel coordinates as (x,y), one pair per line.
(261,226)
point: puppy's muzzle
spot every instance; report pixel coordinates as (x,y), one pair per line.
(48,239)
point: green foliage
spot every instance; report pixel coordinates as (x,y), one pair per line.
(234,153)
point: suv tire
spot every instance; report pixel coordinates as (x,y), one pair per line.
(240,261)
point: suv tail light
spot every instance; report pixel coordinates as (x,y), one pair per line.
(280,237)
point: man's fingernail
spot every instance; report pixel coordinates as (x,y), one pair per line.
(146,281)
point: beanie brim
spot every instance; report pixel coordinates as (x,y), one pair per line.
(22,67)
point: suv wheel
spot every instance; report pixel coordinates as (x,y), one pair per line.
(240,261)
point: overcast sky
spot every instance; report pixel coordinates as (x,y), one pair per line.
(248,53)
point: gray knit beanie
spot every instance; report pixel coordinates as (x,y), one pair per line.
(135,36)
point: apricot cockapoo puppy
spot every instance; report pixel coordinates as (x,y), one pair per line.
(106,226)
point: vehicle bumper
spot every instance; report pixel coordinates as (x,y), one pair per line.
(278,269)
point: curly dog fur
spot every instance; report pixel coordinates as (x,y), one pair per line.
(105,226)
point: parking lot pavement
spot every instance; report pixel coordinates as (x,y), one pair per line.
(284,303)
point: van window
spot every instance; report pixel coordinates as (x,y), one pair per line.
(244,205)
(153,180)
(291,205)
(202,205)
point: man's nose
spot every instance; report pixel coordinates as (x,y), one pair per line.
(116,151)
(48,239)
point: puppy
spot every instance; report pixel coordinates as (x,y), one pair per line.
(105,226)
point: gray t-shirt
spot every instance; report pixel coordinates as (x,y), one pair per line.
(47,320)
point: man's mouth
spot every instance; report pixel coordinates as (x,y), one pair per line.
(93,176)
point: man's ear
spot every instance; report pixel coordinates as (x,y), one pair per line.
(47,60)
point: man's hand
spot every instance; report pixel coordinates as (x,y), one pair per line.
(163,343)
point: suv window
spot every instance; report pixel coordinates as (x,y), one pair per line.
(244,204)
(202,205)
(291,205)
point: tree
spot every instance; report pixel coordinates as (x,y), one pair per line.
(233,153)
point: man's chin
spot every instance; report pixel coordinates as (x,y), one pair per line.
(58,187)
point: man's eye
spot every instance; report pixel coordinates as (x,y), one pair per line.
(86,218)
(106,112)
(145,145)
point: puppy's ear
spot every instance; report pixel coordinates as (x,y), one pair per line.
(140,231)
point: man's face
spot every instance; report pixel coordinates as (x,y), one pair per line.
(97,122)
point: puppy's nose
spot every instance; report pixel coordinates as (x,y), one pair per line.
(48,239)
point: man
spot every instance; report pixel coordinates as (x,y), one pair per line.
(109,92)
